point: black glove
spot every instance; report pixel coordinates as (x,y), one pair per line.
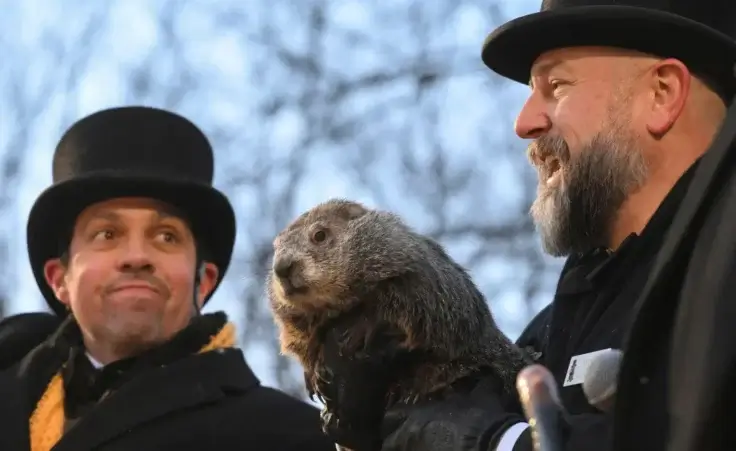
(354,383)
(464,420)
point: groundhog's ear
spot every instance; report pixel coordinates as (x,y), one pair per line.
(355,211)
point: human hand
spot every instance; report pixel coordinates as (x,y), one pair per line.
(354,380)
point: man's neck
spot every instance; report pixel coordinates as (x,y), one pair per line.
(105,355)
(638,209)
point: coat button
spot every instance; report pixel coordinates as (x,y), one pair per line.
(643,380)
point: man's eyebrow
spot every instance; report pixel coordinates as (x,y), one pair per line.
(167,212)
(545,67)
(106,215)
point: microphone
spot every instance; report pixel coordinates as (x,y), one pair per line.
(601,377)
(541,402)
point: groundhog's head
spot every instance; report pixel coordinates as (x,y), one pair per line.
(321,256)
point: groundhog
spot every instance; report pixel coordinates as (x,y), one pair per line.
(409,302)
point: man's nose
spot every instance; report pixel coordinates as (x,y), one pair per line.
(283,266)
(136,257)
(532,121)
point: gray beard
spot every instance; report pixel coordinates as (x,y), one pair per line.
(578,214)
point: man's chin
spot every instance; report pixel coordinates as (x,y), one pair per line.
(544,208)
(133,330)
(550,227)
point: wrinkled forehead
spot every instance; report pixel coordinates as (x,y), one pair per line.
(120,209)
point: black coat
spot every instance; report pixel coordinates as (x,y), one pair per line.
(702,365)
(677,387)
(20,333)
(209,401)
(592,310)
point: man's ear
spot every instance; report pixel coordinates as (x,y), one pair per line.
(670,88)
(208,274)
(54,272)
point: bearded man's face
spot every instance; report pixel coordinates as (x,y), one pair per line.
(580,193)
(587,112)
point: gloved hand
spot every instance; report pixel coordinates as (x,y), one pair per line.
(470,419)
(354,383)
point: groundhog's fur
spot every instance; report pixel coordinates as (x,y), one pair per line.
(344,257)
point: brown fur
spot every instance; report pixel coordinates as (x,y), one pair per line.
(400,283)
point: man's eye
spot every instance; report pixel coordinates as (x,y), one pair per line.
(168,237)
(104,235)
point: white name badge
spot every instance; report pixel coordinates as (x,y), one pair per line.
(578,367)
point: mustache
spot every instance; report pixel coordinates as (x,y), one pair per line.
(547,146)
(145,278)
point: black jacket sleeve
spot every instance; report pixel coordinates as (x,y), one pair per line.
(587,431)
(478,423)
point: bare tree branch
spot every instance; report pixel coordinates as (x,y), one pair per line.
(382,102)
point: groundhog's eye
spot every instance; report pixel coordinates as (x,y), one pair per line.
(319,236)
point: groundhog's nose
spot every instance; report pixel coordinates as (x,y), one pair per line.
(283,267)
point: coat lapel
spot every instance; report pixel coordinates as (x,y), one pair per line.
(199,379)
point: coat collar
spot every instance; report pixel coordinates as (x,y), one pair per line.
(186,383)
(582,273)
(195,380)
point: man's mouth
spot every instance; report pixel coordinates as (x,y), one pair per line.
(134,287)
(552,170)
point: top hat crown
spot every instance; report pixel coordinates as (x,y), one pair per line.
(134,141)
(701,33)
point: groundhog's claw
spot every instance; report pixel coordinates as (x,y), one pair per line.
(329,421)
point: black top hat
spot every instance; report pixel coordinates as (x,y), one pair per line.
(700,33)
(130,152)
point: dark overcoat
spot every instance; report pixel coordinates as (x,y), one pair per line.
(208,401)
(677,387)
(593,308)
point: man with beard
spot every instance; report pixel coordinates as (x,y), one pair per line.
(127,246)
(626,96)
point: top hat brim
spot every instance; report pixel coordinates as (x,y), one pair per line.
(54,213)
(512,49)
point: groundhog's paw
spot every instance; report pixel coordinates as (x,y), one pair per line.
(311,386)
(532,353)
(351,338)
(323,385)
(370,343)
(330,422)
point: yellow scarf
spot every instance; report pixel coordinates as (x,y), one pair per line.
(47,421)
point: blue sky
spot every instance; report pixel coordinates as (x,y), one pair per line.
(227,96)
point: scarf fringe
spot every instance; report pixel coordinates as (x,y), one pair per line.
(47,421)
